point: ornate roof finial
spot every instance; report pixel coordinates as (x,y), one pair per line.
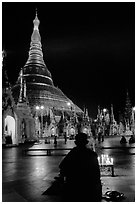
(36,21)
(21,86)
(36,12)
(22,96)
(25,89)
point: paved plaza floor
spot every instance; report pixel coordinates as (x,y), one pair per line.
(25,178)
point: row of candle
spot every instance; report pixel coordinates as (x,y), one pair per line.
(105,160)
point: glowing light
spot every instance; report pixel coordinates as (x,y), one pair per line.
(10,123)
(104,110)
(112,161)
(105,160)
(41,107)
(53,131)
(68,103)
(37,107)
(85,130)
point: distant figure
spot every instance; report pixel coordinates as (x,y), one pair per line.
(47,140)
(81,171)
(92,143)
(131,139)
(100,134)
(123,140)
(55,140)
(93,133)
(65,137)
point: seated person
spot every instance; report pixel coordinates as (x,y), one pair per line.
(123,140)
(131,139)
(82,174)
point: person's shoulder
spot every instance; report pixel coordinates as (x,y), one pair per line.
(74,149)
(92,152)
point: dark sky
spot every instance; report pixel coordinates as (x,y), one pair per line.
(89,48)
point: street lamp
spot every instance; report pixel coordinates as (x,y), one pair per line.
(41,111)
(104,111)
(41,107)
(69,104)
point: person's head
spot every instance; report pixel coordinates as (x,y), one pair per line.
(81,139)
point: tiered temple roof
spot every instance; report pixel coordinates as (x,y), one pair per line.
(40,89)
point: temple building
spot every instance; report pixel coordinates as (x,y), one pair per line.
(40,89)
(35,103)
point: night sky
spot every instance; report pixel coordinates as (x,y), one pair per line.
(89,48)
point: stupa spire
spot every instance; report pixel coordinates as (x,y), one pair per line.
(35,67)
(21,86)
(38,79)
(35,52)
(112,114)
(36,22)
(24,87)
(22,96)
(5,82)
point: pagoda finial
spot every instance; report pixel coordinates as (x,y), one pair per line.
(21,86)
(24,89)
(36,21)
(36,12)
(22,96)
(112,114)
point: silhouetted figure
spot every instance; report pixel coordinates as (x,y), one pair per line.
(65,137)
(55,140)
(123,140)
(93,133)
(100,134)
(100,137)
(81,172)
(47,140)
(131,139)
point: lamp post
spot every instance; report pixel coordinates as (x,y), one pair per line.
(41,107)
(69,104)
(104,114)
(41,113)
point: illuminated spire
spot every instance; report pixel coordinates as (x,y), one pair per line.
(128,108)
(3,55)
(35,53)
(24,95)
(36,22)
(21,86)
(112,114)
(5,80)
(98,114)
(35,64)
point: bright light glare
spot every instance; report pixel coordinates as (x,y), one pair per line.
(42,107)
(68,103)
(10,123)
(37,107)
(104,110)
